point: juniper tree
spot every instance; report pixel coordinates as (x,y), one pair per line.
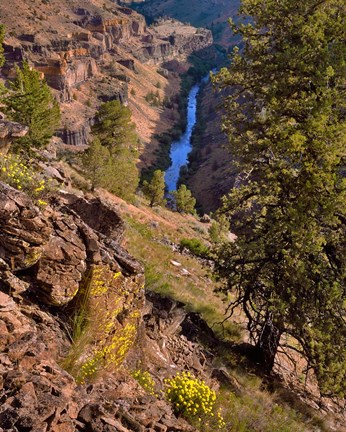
(285,119)
(95,162)
(114,127)
(116,132)
(31,102)
(184,201)
(155,189)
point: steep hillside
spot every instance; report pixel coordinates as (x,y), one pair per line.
(213,15)
(111,316)
(210,174)
(83,350)
(89,52)
(66,328)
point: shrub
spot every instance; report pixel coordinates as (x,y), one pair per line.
(191,397)
(184,201)
(153,98)
(195,246)
(145,380)
(17,173)
(219,229)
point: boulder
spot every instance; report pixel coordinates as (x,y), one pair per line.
(9,131)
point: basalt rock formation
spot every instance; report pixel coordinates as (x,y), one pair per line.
(9,131)
(89,44)
(200,13)
(67,261)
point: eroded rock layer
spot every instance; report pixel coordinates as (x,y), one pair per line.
(89,43)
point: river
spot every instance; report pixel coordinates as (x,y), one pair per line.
(181,148)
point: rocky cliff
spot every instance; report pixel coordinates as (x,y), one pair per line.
(88,47)
(212,14)
(62,266)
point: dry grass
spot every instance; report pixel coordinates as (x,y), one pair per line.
(148,236)
(147,232)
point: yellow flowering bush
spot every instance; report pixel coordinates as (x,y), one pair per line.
(18,174)
(101,340)
(144,380)
(192,397)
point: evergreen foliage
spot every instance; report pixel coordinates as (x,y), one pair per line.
(31,102)
(96,163)
(122,174)
(115,128)
(116,132)
(155,190)
(285,119)
(184,201)
(195,246)
(219,229)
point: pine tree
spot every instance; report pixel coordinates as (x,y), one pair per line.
(123,175)
(95,162)
(155,190)
(116,132)
(114,127)
(285,118)
(31,102)
(184,201)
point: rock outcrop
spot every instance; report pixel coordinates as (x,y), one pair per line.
(38,395)
(61,265)
(8,132)
(65,259)
(175,41)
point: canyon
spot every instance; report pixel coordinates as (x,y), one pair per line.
(95,290)
(89,54)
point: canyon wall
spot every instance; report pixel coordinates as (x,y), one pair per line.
(89,46)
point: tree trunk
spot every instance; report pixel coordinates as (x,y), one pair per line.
(267,345)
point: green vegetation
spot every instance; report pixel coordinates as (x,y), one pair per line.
(96,162)
(183,200)
(31,103)
(155,190)
(195,246)
(114,128)
(193,399)
(219,229)
(153,98)
(111,160)
(287,266)
(257,410)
